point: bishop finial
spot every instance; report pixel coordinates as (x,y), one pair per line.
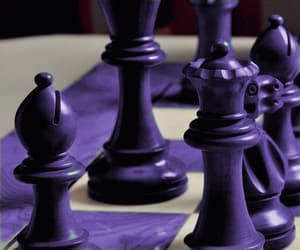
(276,20)
(43,79)
(220,49)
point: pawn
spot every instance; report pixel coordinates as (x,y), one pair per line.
(276,52)
(264,170)
(45,125)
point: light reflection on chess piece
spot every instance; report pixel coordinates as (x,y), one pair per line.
(222,131)
(135,166)
(276,52)
(46,127)
(265,169)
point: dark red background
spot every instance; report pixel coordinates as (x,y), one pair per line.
(35,17)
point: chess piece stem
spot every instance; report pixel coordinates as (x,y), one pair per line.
(135,166)
(136,127)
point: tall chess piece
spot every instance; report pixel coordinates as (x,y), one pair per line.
(276,52)
(264,170)
(46,127)
(222,131)
(136,166)
(214,24)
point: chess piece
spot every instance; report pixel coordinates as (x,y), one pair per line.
(264,170)
(46,127)
(214,24)
(222,131)
(276,52)
(135,167)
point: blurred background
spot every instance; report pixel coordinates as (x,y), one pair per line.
(31,17)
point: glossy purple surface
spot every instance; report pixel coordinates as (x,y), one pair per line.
(135,166)
(83,97)
(48,167)
(16,197)
(264,177)
(276,52)
(222,134)
(214,24)
(264,169)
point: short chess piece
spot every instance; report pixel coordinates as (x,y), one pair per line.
(214,24)
(265,168)
(135,167)
(222,131)
(46,127)
(276,52)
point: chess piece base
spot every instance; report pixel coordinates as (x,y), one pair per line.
(274,220)
(291,193)
(256,244)
(65,244)
(280,241)
(142,184)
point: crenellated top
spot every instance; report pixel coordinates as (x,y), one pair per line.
(221,65)
(221,81)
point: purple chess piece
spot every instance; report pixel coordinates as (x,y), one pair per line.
(46,127)
(135,167)
(264,169)
(222,131)
(276,52)
(214,24)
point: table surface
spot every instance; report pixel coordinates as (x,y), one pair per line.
(68,57)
